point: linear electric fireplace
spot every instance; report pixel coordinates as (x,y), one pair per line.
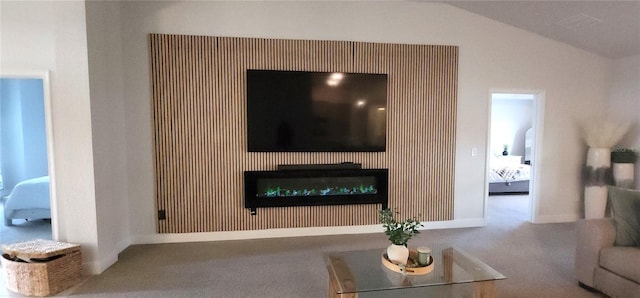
(314,187)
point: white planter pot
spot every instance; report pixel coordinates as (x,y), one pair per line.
(595,201)
(595,191)
(598,166)
(398,253)
(623,174)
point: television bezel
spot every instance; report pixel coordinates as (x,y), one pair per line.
(368,148)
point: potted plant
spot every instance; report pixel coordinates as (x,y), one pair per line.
(623,155)
(623,160)
(399,233)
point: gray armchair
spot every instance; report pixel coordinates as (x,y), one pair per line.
(612,270)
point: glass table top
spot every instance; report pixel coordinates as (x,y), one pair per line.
(362,270)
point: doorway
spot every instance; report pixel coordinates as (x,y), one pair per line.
(515,129)
(26,158)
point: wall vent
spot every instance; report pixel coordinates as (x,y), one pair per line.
(579,21)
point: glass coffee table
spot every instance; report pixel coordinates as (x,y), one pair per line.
(360,273)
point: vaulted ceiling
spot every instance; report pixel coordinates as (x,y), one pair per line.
(607,28)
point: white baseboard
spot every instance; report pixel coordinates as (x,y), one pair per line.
(99,266)
(294,232)
(455,224)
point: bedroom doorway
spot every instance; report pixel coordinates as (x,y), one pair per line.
(26,157)
(514,134)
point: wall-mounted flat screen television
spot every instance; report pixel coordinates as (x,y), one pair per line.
(301,111)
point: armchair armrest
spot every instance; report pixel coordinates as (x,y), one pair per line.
(592,235)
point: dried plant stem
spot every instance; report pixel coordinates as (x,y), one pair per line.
(601,133)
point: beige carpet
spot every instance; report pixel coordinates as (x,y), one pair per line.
(537,260)
(23,230)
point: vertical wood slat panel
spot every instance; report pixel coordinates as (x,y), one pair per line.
(199,120)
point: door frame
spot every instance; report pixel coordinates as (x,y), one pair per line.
(48,115)
(536,149)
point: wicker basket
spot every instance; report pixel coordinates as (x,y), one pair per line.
(41,267)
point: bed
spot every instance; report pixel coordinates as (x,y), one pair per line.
(511,174)
(507,176)
(29,199)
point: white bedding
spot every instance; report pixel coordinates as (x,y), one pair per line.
(508,172)
(29,199)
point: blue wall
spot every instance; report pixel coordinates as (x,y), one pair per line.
(23,141)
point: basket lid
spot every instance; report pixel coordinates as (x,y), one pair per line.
(39,248)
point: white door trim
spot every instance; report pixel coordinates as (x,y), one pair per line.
(44,76)
(538,125)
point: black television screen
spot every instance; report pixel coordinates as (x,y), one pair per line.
(299,111)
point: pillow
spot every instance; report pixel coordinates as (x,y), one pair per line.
(625,208)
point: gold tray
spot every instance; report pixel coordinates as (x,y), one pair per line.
(409,269)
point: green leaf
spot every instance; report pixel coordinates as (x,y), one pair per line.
(399,232)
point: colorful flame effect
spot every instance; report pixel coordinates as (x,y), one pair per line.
(328,191)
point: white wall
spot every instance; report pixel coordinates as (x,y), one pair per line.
(51,36)
(492,56)
(108,128)
(624,101)
(510,119)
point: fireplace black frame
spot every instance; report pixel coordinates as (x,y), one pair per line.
(252,201)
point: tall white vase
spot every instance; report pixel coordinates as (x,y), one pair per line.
(595,192)
(623,174)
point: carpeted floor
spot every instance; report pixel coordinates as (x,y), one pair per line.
(23,230)
(536,259)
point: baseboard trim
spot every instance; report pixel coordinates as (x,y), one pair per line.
(294,232)
(99,266)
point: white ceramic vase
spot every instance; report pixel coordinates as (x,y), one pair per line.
(595,192)
(595,201)
(623,174)
(398,253)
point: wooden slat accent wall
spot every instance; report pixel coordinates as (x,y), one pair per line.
(199,121)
